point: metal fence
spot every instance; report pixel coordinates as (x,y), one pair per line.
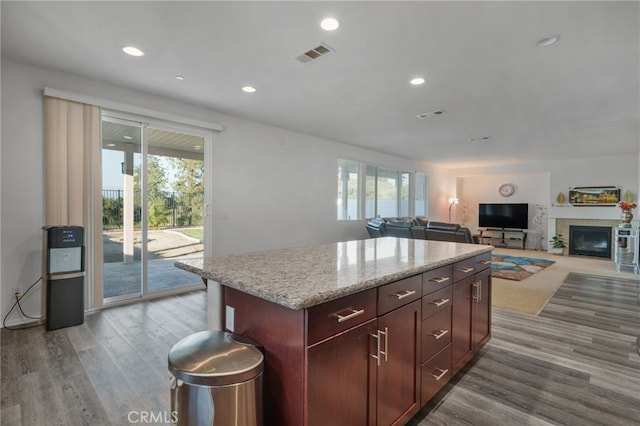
(165,210)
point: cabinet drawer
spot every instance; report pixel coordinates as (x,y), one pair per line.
(436,279)
(464,268)
(436,333)
(399,293)
(436,301)
(338,315)
(483,261)
(435,374)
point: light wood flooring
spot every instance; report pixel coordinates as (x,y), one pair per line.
(575,364)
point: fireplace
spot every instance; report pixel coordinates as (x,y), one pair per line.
(590,241)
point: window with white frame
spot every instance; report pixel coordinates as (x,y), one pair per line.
(348,190)
(378,192)
(421,201)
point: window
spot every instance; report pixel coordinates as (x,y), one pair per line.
(348,191)
(387,192)
(421,200)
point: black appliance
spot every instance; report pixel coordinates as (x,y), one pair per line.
(64,276)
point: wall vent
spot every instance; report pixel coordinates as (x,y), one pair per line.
(315,53)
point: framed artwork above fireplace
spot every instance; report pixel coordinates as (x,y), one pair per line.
(594,196)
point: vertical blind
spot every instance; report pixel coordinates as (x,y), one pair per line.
(71,153)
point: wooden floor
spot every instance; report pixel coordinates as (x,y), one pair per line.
(575,364)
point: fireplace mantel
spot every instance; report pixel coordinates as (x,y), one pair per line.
(560,218)
(584,212)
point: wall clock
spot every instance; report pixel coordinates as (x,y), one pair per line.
(506,190)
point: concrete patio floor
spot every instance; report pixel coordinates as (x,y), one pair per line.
(165,247)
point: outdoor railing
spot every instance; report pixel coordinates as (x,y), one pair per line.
(165,209)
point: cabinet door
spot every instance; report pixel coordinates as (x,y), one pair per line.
(482,309)
(462,324)
(341,378)
(398,393)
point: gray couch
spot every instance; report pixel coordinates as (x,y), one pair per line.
(419,228)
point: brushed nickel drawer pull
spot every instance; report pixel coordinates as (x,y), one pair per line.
(377,355)
(477,291)
(386,342)
(439,280)
(441,375)
(486,262)
(354,313)
(440,333)
(440,302)
(404,293)
(466,270)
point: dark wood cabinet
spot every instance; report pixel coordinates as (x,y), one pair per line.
(341,377)
(462,324)
(471,313)
(398,386)
(373,357)
(437,302)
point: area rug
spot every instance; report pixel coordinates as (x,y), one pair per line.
(516,268)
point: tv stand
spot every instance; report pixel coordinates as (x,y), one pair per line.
(504,237)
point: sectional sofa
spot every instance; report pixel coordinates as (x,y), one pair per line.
(418,227)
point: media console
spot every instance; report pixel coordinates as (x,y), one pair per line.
(502,237)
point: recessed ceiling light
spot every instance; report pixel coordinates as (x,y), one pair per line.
(249,89)
(179,77)
(133,51)
(127,137)
(329,24)
(417,81)
(547,41)
(111,145)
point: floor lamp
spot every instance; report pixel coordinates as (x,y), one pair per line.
(452,201)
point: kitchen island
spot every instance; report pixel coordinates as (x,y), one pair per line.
(357,332)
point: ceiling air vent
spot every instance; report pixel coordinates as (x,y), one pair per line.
(424,115)
(482,139)
(314,53)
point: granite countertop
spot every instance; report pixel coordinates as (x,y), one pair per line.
(302,277)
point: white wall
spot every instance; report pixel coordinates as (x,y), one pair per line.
(271,187)
(539,182)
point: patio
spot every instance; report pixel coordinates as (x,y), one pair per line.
(164,247)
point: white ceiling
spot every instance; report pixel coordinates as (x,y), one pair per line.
(577,98)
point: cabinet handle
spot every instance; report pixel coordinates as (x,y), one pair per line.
(442,373)
(486,262)
(354,313)
(440,333)
(404,293)
(386,342)
(379,351)
(466,270)
(439,280)
(477,291)
(377,355)
(440,302)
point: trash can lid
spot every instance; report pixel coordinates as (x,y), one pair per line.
(212,358)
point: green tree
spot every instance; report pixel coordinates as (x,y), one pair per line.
(189,187)
(158,212)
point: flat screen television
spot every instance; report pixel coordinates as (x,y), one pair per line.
(503,215)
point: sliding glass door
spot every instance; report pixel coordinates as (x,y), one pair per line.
(153,198)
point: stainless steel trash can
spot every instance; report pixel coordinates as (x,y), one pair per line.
(216,380)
